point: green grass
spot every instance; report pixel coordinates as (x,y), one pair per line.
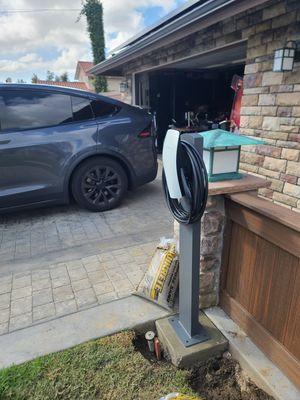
(106,369)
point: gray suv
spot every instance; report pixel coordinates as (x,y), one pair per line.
(57,142)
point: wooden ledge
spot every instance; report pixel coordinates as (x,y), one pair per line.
(246,184)
(273,211)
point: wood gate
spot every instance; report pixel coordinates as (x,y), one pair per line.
(260,284)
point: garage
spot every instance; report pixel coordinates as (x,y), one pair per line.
(195,94)
(189,61)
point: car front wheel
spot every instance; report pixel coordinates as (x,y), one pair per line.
(99,184)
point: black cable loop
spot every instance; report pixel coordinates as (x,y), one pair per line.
(197,192)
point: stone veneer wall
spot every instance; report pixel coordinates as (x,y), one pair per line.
(271,105)
(212,227)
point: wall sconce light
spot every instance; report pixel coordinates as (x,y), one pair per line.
(284,58)
(123,87)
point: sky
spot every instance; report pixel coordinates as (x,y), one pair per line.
(33,40)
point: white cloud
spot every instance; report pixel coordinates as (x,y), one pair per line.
(124,19)
(35,42)
(30,58)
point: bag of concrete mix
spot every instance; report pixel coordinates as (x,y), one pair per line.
(160,281)
(178,396)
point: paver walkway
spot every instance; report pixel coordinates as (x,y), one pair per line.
(36,296)
(48,234)
(59,260)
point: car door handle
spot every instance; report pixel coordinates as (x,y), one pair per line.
(4,141)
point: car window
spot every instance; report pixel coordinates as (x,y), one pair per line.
(21,110)
(81,108)
(102,109)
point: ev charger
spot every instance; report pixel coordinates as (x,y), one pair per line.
(185,185)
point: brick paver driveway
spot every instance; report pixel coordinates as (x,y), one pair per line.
(58,260)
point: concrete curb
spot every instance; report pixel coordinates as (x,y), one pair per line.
(253,362)
(65,332)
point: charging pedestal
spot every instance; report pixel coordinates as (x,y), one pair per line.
(185,184)
(186,324)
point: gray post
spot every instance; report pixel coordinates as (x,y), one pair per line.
(187,325)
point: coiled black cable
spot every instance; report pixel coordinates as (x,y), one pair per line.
(194,182)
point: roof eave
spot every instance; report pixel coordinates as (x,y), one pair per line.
(188,4)
(179,25)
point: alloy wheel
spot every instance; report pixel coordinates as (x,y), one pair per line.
(101,185)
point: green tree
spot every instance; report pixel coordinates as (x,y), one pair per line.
(93,11)
(50,76)
(64,77)
(34,78)
(57,78)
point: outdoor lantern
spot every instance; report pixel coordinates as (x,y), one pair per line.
(123,87)
(284,58)
(221,153)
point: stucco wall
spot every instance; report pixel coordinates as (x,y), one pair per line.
(113,83)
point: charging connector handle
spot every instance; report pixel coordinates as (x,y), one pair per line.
(193,179)
(170,162)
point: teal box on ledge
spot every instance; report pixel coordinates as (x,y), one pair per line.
(221,153)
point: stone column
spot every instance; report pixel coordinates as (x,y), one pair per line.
(212,228)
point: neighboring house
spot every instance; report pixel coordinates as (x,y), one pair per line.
(82,74)
(187,61)
(74,85)
(113,82)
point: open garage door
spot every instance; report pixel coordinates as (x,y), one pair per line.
(194,91)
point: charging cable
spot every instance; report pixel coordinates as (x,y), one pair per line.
(193,181)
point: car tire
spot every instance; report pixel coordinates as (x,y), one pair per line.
(99,184)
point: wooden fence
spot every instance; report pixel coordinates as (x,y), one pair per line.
(260,283)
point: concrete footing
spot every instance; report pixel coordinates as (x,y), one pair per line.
(182,356)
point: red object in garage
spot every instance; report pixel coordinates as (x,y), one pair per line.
(235,117)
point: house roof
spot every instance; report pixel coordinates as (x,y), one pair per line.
(220,138)
(85,66)
(74,85)
(177,25)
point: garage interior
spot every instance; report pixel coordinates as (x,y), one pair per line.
(194,94)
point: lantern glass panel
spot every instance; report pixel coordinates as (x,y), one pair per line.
(287,64)
(277,64)
(225,161)
(292,52)
(206,159)
(279,53)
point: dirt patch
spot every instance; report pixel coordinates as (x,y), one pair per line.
(218,379)
(221,379)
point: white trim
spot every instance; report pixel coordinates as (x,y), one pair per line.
(133,87)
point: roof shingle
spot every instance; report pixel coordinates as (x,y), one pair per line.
(86,65)
(74,85)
